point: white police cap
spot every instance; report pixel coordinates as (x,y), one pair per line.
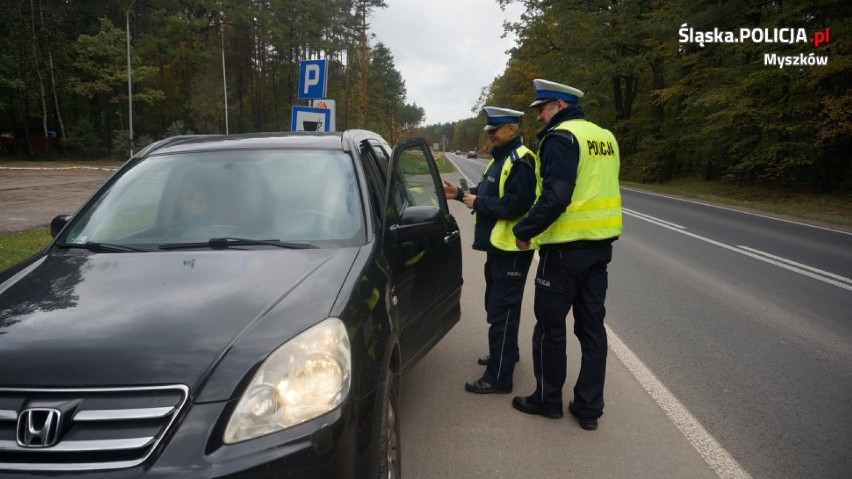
(546,91)
(498,116)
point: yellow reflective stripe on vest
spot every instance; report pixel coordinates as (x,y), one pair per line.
(595,208)
(502,236)
(595,204)
(587,224)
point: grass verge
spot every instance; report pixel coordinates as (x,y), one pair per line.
(444,165)
(20,245)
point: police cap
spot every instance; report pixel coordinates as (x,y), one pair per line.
(546,91)
(498,116)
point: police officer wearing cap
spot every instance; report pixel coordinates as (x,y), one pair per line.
(505,193)
(574,222)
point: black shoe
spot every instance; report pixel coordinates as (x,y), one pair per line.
(481,386)
(527,405)
(587,423)
(483,360)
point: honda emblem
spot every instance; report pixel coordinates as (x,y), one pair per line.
(38,427)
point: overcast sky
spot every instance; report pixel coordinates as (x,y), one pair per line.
(446,50)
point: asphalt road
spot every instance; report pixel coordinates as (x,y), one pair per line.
(450,433)
(746,321)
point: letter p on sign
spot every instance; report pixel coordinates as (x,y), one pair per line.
(312,79)
(312,74)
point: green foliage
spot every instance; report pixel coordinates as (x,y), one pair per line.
(177,128)
(83,140)
(463,135)
(444,165)
(17,246)
(121,144)
(176,55)
(681,110)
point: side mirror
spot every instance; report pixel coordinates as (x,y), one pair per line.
(56,224)
(418,222)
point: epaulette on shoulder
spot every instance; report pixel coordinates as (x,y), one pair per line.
(564,134)
(516,157)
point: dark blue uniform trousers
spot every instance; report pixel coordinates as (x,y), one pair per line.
(569,278)
(505,276)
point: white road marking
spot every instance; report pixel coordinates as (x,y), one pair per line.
(707,446)
(652,219)
(801,268)
(765,257)
(739,211)
(457,168)
(716,456)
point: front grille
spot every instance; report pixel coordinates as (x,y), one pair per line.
(83,429)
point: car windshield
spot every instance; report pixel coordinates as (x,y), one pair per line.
(294,196)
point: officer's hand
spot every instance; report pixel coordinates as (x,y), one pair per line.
(450,190)
(521,244)
(468,200)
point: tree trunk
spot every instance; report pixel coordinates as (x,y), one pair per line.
(617,99)
(51,69)
(36,64)
(624,90)
(26,129)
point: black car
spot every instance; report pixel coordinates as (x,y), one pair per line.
(472,154)
(230,306)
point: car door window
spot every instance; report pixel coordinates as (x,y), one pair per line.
(382,157)
(415,181)
(375,182)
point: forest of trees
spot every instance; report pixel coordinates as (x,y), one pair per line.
(63,70)
(678,109)
(715,112)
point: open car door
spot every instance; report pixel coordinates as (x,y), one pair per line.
(424,249)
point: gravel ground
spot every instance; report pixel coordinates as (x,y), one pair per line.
(32,197)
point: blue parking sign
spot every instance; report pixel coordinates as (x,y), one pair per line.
(312,79)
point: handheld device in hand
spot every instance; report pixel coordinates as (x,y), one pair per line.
(465,188)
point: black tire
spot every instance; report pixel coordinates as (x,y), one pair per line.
(389,444)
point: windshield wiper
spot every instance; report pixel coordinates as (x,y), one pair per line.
(225,243)
(103,247)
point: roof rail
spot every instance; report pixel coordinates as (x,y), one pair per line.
(172,140)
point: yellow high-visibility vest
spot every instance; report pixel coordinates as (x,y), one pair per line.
(595,209)
(501,235)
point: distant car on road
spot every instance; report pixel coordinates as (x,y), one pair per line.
(230,306)
(472,154)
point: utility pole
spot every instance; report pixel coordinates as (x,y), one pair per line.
(129,83)
(364,60)
(224,81)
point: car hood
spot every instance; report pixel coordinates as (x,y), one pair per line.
(78,319)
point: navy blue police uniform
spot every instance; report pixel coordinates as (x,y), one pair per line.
(505,271)
(570,274)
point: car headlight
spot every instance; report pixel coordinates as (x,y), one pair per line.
(306,377)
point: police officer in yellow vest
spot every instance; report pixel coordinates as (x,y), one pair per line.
(506,192)
(574,222)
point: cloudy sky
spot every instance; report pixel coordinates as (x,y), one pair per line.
(446,50)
